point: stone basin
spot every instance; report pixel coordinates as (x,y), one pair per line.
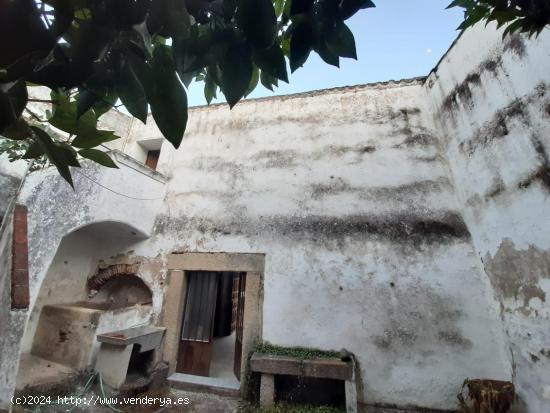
(147,337)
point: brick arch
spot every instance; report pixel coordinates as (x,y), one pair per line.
(103,275)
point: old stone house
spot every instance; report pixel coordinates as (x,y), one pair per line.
(407,222)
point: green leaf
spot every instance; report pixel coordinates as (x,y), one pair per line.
(502,17)
(99,138)
(98,156)
(461,3)
(301,44)
(236,74)
(85,101)
(349,7)
(18,130)
(229,7)
(57,155)
(83,14)
(300,6)
(279,7)
(145,39)
(167,97)
(268,81)
(141,69)
(512,28)
(35,150)
(210,86)
(13,99)
(340,41)
(272,61)
(328,55)
(253,81)
(66,152)
(169,18)
(131,92)
(258,21)
(65,117)
(105,104)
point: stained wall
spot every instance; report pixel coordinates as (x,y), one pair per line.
(492,101)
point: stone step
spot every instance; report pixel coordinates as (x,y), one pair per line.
(228,387)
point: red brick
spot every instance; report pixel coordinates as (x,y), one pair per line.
(19,296)
(20,259)
(19,235)
(20,277)
(20,247)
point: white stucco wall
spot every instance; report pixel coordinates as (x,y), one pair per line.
(348,195)
(492,101)
(406,222)
(11,174)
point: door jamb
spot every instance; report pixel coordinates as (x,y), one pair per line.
(172,317)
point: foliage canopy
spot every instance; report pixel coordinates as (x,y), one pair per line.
(143,53)
(523,16)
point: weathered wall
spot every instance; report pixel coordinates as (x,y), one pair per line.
(11,174)
(492,100)
(348,195)
(373,205)
(12,322)
(121,202)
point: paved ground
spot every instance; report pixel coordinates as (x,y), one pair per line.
(37,371)
(201,403)
(179,401)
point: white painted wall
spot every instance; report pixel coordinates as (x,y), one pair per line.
(335,188)
(11,174)
(373,205)
(498,132)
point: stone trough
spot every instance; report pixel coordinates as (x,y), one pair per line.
(269,366)
(66,333)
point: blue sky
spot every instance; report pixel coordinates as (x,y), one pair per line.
(398,39)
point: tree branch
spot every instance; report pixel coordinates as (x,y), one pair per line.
(42,100)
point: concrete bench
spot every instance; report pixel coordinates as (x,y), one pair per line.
(269,366)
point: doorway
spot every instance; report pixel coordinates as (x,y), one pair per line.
(212,328)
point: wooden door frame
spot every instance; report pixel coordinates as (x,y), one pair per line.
(175,295)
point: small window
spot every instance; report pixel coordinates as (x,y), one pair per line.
(152,159)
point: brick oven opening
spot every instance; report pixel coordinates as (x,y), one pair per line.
(122,291)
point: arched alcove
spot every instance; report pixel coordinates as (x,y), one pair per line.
(75,260)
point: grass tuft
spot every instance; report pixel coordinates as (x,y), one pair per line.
(296,352)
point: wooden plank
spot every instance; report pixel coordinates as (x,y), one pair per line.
(331,368)
(239,327)
(195,350)
(235,302)
(194,358)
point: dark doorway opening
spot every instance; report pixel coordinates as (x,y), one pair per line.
(211,338)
